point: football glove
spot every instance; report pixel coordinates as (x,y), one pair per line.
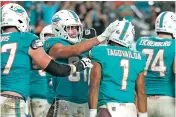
(83,64)
(106,34)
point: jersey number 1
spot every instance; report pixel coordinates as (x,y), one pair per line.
(12,47)
(125,64)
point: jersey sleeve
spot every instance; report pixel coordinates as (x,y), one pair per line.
(137,44)
(49,43)
(173,47)
(26,40)
(143,62)
(94,54)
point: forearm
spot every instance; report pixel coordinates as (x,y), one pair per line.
(59,69)
(77,49)
(93,97)
(142,102)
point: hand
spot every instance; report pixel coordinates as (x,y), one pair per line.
(106,34)
(86,63)
(83,64)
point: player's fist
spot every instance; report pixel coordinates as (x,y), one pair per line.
(86,62)
(106,34)
(83,64)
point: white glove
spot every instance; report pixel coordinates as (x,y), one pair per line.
(82,64)
(106,34)
(86,63)
(142,114)
(93,112)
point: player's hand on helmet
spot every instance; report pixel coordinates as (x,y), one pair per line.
(83,64)
(106,34)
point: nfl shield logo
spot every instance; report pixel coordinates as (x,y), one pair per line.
(87,32)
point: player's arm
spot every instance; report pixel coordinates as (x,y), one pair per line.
(141,96)
(60,51)
(49,65)
(35,66)
(95,78)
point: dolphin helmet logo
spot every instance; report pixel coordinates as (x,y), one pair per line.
(18,10)
(56,19)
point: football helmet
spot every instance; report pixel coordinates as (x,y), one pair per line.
(46,30)
(63,21)
(123,34)
(15,15)
(166,22)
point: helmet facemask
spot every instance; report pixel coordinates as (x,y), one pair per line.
(74,33)
(67,25)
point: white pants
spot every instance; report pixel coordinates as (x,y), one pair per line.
(121,109)
(12,107)
(70,109)
(39,107)
(161,106)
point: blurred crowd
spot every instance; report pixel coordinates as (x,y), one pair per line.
(98,14)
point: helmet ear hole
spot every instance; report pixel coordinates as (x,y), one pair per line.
(57,30)
(20,21)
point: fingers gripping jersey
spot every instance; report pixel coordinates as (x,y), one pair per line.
(120,69)
(16,62)
(73,88)
(160,79)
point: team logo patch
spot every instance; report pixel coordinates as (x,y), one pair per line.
(113,108)
(47,44)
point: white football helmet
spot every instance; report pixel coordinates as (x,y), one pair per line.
(166,22)
(14,15)
(64,19)
(46,30)
(124,34)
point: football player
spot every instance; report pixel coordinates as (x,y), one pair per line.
(160,66)
(72,91)
(39,80)
(117,73)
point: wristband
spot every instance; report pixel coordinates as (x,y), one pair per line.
(142,114)
(73,68)
(93,112)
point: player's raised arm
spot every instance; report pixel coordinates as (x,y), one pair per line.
(141,96)
(95,78)
(60,30)
(49,65)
